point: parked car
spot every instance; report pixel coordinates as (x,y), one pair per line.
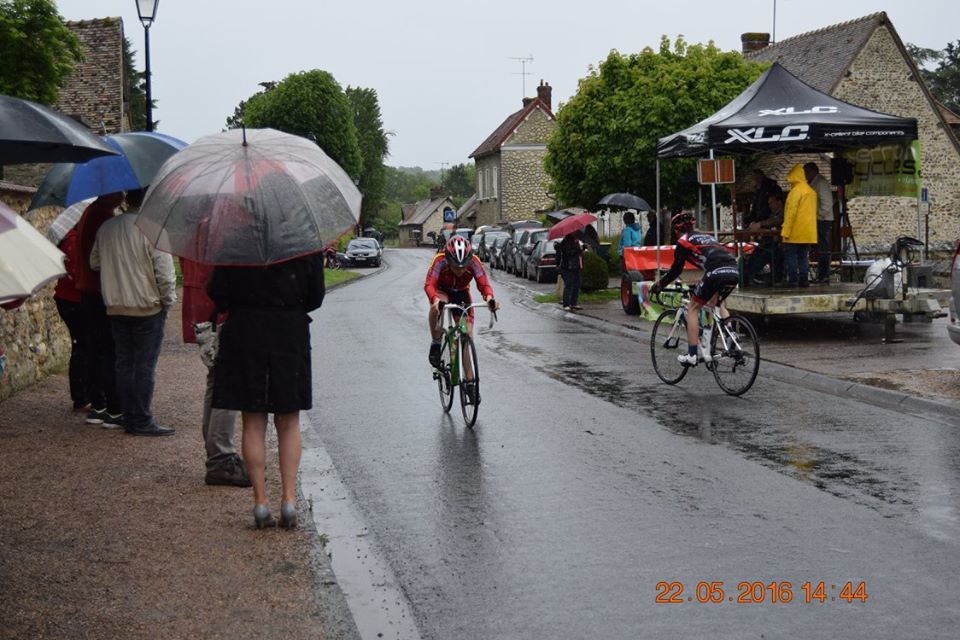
(524,247)
(953,326)
(487,239)
(365,252)
(542,263)
(497,251)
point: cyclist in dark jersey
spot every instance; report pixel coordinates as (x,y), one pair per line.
(448,280)
(720,276)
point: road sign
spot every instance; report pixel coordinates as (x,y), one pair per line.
(924,195)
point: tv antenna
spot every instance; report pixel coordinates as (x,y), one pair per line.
(523,70)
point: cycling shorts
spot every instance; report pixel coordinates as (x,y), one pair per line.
(722,280)
(459,297)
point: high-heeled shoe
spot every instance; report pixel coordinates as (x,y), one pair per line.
(288,515)
(262,518)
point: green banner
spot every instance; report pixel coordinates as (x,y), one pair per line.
(890,170)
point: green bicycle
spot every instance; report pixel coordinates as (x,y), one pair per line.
(458,361)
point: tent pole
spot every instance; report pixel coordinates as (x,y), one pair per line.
(660,230)
(713,207)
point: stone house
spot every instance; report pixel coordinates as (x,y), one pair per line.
(511,180)
(425,216)
(35,339)
(865,62)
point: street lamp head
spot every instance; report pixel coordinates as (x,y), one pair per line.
(147,10)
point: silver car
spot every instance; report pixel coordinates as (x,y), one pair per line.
(363,252)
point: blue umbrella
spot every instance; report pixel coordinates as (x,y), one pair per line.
(142,154)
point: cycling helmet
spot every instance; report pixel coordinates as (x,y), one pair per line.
(458,251)
(682,222)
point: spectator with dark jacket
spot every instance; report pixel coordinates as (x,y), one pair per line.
(67,298)
(101,374)
(570,265)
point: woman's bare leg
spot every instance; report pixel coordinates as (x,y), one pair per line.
(289,444)
(255,452)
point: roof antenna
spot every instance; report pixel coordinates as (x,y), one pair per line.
(523,70)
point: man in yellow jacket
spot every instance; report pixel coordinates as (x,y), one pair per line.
(799,229)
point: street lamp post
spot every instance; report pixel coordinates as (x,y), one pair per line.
(147,10)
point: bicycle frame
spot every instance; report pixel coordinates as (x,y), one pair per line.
(452,331)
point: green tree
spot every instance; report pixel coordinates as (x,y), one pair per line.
(944,80)
(459,181)
(135,87)
(607,133)
(37,50)
(374,148)
(310,104)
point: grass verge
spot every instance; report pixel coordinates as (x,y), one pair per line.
(336,276)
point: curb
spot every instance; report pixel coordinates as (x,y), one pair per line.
(943,412)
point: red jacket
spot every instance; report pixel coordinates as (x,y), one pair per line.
(439,277)
(197,305)
(87,280)
(66,288)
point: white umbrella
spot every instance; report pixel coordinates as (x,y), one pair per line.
(27,259)
(67,220)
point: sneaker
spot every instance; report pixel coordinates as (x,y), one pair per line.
(230,472)
(96,416)
(112,420)
(82,407)
(568,308)
(472,392)
(688,360)
(576,307)
(434,356)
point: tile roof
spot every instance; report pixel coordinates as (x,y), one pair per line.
(501,133)
(822,57)
(423,210)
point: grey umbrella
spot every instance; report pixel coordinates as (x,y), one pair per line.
(30,132)
(625,201)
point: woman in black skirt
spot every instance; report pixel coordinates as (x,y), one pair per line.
(263,364)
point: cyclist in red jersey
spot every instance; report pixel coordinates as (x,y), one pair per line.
(720,276)
(448,280)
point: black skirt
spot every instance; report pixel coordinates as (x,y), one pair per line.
(263,362)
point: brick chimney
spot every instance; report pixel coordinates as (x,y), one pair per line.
(527,101)
(754,41)
(545,93)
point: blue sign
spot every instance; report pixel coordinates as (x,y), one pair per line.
(924,195)
(449,215)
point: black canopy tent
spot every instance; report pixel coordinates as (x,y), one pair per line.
(779,113)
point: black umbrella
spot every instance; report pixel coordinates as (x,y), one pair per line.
(625,201)
(30,132)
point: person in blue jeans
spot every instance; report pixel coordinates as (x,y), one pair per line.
(138,286)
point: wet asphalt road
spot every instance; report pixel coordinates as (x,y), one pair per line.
(587,481)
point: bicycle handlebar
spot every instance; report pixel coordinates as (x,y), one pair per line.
(679,287)
(445,306)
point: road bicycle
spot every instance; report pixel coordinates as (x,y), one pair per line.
(458,360)
(728,346)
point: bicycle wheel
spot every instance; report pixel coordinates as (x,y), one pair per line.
(469,389)
(669,340)
(736,355)
(442,376)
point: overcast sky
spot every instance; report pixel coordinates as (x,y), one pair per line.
(444,71)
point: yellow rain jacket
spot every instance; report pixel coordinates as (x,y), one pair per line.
(800,210)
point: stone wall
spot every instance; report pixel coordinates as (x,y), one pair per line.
(488,204)
(34,337)
(525,183)
(535,129)
(881,79)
